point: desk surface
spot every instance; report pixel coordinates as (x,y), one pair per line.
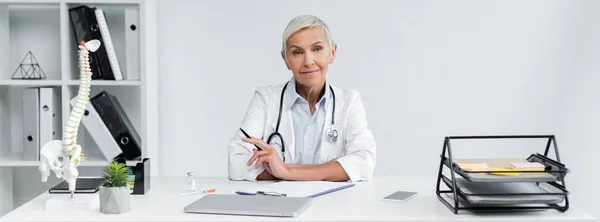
(360,203)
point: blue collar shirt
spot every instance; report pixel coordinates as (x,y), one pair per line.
(308,128)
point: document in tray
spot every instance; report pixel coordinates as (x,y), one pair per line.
(298,188)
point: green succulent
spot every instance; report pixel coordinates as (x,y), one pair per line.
(115,175)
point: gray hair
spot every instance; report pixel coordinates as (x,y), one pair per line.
(304,21)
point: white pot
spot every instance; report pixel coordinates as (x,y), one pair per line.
(114,200)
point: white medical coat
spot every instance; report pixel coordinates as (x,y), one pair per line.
(354,148)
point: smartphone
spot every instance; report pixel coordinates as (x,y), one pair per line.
(400,196)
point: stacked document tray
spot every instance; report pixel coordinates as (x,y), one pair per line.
(502,184)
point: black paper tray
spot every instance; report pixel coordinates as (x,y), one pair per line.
(512,193)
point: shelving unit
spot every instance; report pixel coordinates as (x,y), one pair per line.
(47,25)
(43,27)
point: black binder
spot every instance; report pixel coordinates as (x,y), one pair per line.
(85,27)
(117,122)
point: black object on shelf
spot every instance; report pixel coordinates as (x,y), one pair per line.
(467,193)
(29,69)
(85,28)
(116,120)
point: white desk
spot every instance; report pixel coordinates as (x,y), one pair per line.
(359,203)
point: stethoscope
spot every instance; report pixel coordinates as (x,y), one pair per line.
(332,133)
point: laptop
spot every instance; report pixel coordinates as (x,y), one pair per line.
(255,205)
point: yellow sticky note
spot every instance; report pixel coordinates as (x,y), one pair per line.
(528,168)
(505,173)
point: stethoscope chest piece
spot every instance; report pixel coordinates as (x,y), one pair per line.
(332,133)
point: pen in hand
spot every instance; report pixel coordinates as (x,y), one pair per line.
(248,136)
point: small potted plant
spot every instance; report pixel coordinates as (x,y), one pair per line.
(114,193)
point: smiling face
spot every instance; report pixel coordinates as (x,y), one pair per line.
(308,56)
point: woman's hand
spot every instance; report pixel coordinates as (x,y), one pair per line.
(268,157)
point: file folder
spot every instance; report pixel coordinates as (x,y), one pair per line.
(132,44)
(85,27)
(50,115)
(119,125)
(99,132)
(31,123)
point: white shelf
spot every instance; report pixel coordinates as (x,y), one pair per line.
(29,1)
(35,83)
(25,83)
(16,160)
(72,1)
(106,83)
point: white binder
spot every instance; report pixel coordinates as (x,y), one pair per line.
(4,34)
(108,45)
(31,123)
(50,115)
(132,44)
(99,132)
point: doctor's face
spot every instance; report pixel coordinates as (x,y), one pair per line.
(309,55)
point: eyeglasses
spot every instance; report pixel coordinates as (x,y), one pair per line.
(271,193)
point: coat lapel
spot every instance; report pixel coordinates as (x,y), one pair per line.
(327,145)
(286,129)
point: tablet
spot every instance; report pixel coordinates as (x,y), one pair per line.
(83,185)
(400,196)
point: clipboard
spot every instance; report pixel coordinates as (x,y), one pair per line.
(310,189)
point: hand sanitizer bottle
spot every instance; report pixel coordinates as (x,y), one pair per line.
(191,182)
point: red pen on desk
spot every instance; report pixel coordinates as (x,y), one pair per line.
(200,192)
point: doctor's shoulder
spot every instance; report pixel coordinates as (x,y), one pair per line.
(270,92)
(347,96)
(268,96)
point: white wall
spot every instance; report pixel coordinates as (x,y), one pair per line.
(6,187)
(580,129)
(426,69)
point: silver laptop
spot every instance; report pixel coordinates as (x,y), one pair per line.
(255,205)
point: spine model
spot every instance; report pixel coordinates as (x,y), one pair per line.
(69,138)
(67,149)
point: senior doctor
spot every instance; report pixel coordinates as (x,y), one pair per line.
(306,129)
